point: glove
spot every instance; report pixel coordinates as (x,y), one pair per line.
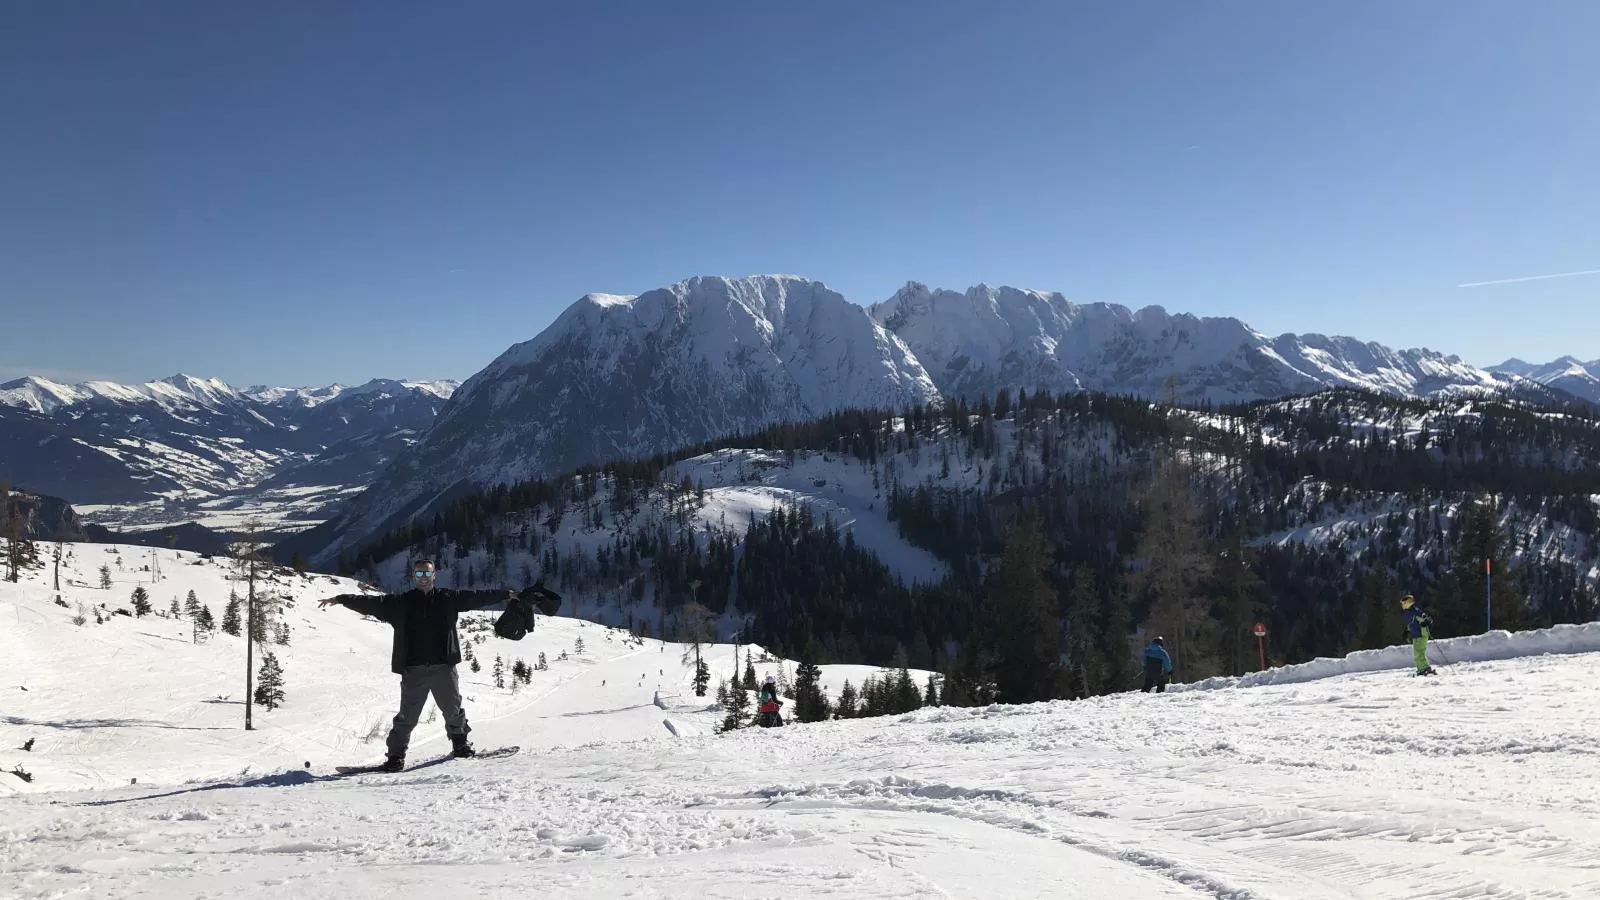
(547,600)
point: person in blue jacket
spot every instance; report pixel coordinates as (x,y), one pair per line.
(1419,626)
(1157,666)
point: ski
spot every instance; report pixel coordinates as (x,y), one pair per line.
(497,753)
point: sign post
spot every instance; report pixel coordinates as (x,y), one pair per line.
(1488,595)
(1261,646)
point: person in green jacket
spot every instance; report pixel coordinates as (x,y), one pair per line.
(1419,625)
(427,649)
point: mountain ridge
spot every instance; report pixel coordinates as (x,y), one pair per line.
(729,344)
(1566,373)
(703,357)
(158,452)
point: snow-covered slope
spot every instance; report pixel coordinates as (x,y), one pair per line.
(158,453)
(990,338)
(1481,782)
(139,698)
(623,377)
(1581,379)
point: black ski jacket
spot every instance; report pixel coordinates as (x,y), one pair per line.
(424,623)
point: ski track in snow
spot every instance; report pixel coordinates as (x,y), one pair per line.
(1481,783)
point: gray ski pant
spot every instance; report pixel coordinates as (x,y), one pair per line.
(416,683)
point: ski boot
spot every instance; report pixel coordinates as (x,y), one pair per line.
(459,747)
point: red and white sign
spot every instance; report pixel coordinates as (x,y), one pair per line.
(1261,630)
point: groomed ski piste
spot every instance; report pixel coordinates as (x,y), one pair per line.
(1334,779)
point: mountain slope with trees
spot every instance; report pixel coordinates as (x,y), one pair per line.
(934,536)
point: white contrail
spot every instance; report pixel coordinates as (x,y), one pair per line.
(1531,278)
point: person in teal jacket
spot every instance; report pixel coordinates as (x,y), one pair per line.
(1157,666)
(1419,626)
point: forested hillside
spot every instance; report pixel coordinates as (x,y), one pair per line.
(1028,545)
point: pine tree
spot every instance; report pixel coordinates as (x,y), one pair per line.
(269,683)
(205,620)
(722,692)
(474,665)
(847,701)
(262,619)
(577,646)
(543,664)
(1176,566)
(702,677)
(1457,600)
(1027,632)
(499,672)
(810,704)
(1240,597)
(231,619)
(931,696)
(173,610)
(738,708)
(191,605)
(1380,621)
(141,601)
(19,550)
(750,682)
(1085,660)
(105,577)
(281,633)
(906,697)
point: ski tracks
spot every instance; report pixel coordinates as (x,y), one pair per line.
(1016,812)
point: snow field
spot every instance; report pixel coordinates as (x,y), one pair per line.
(1478,783)
(1482,782)
(135,698)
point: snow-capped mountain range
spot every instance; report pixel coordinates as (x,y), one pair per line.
(990,338)
(1581,379)
(618,377)
(183,447)
(627,376)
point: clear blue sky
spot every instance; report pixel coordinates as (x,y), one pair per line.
(302,192)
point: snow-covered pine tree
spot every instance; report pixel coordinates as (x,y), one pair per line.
(191,605)
(173,610)
(263,617)
(810,704)
(280,635)
(906,697)
(105,577)
(847,701)
(738,708)
(499,672)
(141,601)
(269,683)
(231,619)
(702,677)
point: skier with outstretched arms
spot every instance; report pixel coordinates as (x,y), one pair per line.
(427,649)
